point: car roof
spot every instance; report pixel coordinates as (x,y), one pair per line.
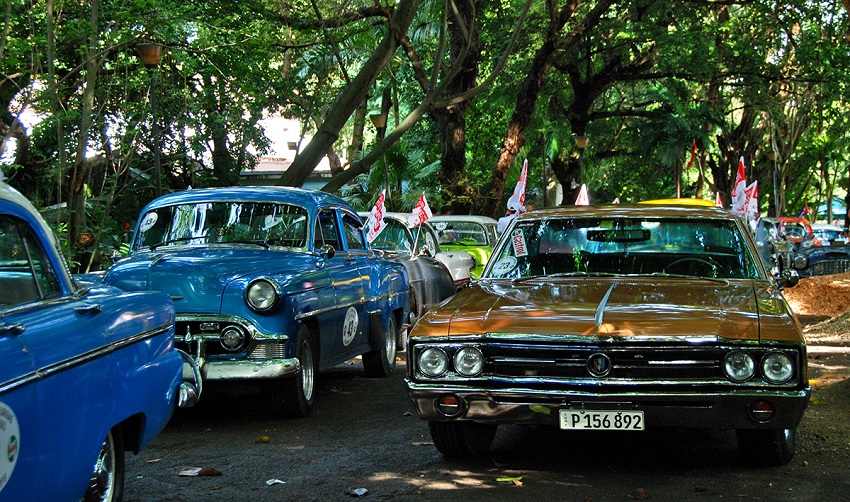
(826,226)
(290,195)
(483,220)
(632,210)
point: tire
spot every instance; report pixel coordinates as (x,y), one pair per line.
(107,479)
(294,397)
(462,439)
(767,447)
(381,363)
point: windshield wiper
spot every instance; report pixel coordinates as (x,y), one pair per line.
(256,243)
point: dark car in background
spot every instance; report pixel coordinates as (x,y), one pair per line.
(271,286)
(615,318)
(86,372)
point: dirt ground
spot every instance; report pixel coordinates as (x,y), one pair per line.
(823,306)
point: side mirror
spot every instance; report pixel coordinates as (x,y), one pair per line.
(327,251)
(788,278)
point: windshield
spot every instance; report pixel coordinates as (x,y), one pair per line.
(624,246)
(223,222)
(465,233)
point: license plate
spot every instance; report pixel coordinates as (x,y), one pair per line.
(602,420)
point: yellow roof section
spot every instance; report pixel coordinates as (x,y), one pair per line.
(679,202)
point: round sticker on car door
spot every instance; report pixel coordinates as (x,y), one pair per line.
(10,434)
(349,327)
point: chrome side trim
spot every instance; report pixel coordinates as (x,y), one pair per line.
(58,367)
(577,339)
(325,310)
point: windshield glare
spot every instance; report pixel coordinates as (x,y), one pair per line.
(624,246)
(223,222)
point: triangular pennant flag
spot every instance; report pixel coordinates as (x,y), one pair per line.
(376,224)
(421,212)
(583,198)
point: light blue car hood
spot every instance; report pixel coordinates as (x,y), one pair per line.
(196,278)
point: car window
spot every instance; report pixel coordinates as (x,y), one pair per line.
(393,237)
(223,222)
(461,232)
(353,232)
(25,274)
(326,232)
(634,246)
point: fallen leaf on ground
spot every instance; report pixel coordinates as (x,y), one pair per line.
(357,492)
(275,481)
(640,494)
(262,439)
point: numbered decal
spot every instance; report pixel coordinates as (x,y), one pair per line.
(147,222)
(504,266)
(10,434)
(349,328)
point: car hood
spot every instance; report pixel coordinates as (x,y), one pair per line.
(196,278)
(644,309)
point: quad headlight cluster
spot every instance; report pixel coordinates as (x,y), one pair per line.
(462,360)
(774,367)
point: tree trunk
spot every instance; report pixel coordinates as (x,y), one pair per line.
(351,97)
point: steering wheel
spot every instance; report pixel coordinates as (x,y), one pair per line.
(711,264)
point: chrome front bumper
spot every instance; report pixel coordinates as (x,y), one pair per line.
(709,410)
(246,370)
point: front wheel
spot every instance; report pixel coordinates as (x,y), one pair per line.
(381,362)
(771,447)
(294,397)
(107,479)
(462,439)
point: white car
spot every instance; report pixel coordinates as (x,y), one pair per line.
(829,234)
(458,263)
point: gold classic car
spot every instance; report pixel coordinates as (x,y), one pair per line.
(616,318)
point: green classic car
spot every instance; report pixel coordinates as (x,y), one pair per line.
(474,234)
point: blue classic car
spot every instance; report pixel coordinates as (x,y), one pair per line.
(271,286)
(85,373)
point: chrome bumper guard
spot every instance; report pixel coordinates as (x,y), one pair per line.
(189,393)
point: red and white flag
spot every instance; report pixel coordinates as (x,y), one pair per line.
(376,224)
(583,198)
(718,200)
(752,192)
(421,212)
(517,200)
(739,192)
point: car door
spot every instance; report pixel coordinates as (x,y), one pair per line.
(344,325)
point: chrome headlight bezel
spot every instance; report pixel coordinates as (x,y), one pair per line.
(469,361)
(780,374)
(262,294)
(739,366)
(432,362)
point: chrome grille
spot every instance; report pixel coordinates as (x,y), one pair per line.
(827,267)
(639,363)
(269,350)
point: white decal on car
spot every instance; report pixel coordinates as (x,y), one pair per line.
(349,328)
(10,438)
(503,266)
(148,221)
(518,241)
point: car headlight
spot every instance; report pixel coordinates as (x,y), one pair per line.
(433,361)
(800,262)
(262,295)
(739,366)
(777,367)
(469,361)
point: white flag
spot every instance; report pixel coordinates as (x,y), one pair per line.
(517,200)
(752,206)
(739,192)
(583,198)
(376,224)
(421,213)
